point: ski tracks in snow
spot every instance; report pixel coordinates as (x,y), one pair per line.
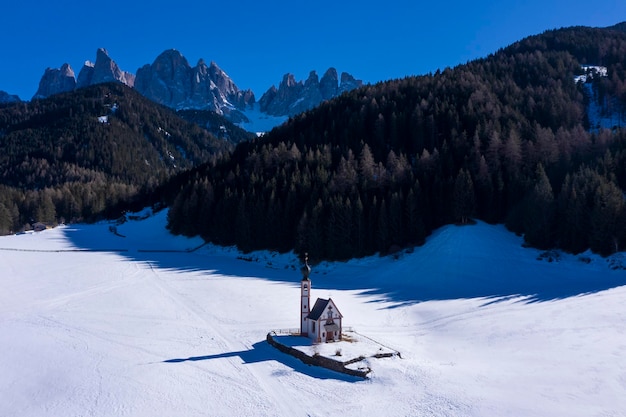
(247,376)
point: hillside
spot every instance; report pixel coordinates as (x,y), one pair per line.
(505,139)
(142,326)
(217,125)
(75,155)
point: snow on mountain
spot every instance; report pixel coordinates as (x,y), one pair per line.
(606,114)
(603,114)
(259,122)
(124,319)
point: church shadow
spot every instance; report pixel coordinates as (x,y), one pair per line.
(263,352)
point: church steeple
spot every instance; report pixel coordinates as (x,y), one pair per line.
(305,296)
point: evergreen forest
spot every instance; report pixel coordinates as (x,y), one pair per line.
(503,139)
(513,138)
(92,153)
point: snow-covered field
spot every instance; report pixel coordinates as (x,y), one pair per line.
(95,324)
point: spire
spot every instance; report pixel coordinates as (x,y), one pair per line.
(306,269)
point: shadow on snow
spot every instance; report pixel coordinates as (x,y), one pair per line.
(263,352)
(424,275)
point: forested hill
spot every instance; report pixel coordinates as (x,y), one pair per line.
(505,139)
(76,155)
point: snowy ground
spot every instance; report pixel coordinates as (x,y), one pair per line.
(94,324)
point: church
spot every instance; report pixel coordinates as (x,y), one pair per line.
(322,323)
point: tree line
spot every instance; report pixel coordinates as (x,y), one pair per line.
(505,139)
(92,153)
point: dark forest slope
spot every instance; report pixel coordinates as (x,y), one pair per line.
(505,139)
(76,155)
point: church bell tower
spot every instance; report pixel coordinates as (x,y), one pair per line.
(305,296)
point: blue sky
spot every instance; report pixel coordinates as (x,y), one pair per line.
(257,42)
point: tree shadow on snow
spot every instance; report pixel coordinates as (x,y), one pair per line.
(407,279)
(263,352)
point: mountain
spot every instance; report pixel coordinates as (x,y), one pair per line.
(505,139)
(104,70)
(55,81)
(217,125)
(80,153)
(171,81)
(61,80)
(293,97)
(620,27)
(8,98)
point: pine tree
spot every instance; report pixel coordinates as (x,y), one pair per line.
(383,242)
(574,223)
(464,200)
(539,212)
(605,219)
(5,220)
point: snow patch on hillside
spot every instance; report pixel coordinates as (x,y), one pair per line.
(605,114)
(259,122)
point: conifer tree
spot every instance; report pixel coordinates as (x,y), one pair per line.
(464,200)
(606,218)
(539,212)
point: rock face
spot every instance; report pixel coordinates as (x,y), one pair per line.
(171,81)
(103,71)
(55,81)
(85,75)
(8,98)
(293,97)
(329,84)
(348,82)
(60,80)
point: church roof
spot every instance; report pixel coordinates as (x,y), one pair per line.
(319,307)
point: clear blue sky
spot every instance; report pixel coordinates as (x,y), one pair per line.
(257,42)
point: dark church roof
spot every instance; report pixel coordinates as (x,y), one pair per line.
(319,307)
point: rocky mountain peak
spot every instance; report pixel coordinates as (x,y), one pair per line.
(329,84)
(8,98)
(348,82)
(293,97)
(171,81)
(85,75)
(104,70)
(55,81)
(289,81)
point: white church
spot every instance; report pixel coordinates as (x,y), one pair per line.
(322,323)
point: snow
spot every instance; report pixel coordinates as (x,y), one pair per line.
(260,122)
(605,115)
(96,324)
(602,115)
